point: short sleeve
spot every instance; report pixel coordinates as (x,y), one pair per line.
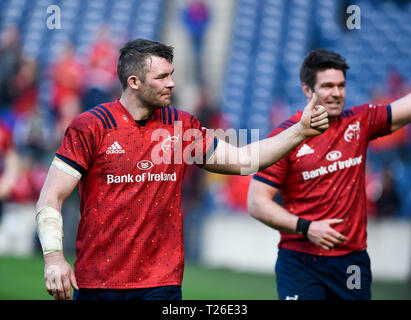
(274,175)
(201,143)
(77,148)
(379,120)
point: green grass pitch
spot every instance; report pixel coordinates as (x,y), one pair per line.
(22,279)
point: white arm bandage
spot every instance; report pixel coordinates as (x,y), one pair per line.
(66,168)
(50,229)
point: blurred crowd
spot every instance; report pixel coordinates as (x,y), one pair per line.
(36,129)
(32,126)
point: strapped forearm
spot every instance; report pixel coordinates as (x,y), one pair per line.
(50,229)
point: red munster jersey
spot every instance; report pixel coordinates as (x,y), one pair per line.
(130,233)
(324,177)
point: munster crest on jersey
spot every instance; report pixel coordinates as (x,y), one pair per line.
(352,132)
(169,143)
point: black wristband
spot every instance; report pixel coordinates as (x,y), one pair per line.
(302,226)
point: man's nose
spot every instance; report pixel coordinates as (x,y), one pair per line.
(336,92)
(170,83)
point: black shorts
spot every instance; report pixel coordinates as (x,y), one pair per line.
(310,277)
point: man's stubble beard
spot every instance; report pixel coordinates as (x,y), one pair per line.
(147,101)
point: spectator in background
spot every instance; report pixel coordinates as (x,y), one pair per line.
(196,16)
(395,85)
(372,188)
(70,108)
(101,70)
(30,179)
(27,172)
(383,199)
(9,165)
(394,88)
(200,185)
(10,62)
(26,86)
(388,203)
(18,226)
(33,135)
(67,78)
(387,147)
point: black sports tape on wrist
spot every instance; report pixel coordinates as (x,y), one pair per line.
(302,226)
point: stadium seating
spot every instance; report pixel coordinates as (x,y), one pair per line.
(271,37)
(79,22)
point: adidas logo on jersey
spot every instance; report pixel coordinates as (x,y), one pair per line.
(305,149)
(115,148)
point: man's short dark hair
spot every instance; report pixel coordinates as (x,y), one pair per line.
(134,55)
(320,60)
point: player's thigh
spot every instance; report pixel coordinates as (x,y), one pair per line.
(354,280)
(295,277)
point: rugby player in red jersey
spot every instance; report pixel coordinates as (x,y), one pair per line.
(323,218)
(128,159)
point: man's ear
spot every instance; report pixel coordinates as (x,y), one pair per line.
(308,92)
(134,82)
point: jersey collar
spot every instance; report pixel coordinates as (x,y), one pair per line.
(128,118)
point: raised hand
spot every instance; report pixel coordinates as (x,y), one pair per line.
(315,118)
